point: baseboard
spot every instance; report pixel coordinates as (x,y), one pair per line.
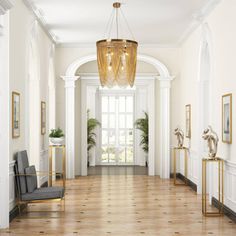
(45,184)
(191,184)
(227,211)
(15,212)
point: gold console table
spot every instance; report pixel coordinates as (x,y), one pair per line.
(220,163)
(54,147)
(185,165)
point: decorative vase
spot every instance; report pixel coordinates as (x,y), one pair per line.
(57,141)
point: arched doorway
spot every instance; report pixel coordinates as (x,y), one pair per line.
(165,83)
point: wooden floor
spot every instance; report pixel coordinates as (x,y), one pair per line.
(125,206)
(117,170)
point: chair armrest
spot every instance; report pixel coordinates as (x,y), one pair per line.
(50,173)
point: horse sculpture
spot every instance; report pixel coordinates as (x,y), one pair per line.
(180,137)
(212,141)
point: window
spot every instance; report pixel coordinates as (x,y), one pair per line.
(117,133)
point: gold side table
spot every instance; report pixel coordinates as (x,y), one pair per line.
(220,163)
(51,148)
(185,165)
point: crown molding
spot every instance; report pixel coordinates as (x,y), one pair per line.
(39,16)
(198,18)
(93,45)
(96,74)
(5,5)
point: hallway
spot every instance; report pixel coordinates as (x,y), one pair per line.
(125,205)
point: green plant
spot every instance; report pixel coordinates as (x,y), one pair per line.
(56,133)
(142,124)
(92,123)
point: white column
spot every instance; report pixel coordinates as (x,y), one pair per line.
(70,124)
(4,109)
(165,85)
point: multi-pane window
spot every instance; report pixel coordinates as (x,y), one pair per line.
(117,129)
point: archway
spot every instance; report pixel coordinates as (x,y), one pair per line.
(165,84)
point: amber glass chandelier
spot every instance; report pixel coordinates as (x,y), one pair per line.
(116,57)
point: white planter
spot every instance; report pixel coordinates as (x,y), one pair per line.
(57,141)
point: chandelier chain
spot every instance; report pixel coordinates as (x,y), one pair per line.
(127,24)
(109,24)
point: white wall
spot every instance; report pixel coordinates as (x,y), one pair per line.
(221,24)
(21,22)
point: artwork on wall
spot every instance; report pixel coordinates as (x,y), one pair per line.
(227,118)
(43,118)
(188,120)
(15,115)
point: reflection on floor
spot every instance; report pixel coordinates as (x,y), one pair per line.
(117,170)
(124,205)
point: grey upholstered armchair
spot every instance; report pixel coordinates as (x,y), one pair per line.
(27,187)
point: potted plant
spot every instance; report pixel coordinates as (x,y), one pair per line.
(56,136)
(142,125)
(92,124)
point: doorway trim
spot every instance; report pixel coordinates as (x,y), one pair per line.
(87,82)
(165,84)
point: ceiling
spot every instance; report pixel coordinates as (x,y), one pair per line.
(162,22)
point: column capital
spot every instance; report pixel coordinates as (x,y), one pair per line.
(70,80)
(165,78)
(5,5)
(165,82)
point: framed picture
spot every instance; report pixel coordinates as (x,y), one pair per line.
(188,120)
(227,118)
(15,115)
(43,118)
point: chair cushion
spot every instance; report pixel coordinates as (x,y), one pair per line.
(21,164)
(44,194)
(31,178)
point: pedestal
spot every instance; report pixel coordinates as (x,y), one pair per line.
(185,165)
(51,148)
(220,163)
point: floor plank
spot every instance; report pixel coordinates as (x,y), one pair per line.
(124,205)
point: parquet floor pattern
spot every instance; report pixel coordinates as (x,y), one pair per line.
(123,205)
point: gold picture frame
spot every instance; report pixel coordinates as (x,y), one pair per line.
(227,118)
(188,121)
(15,115)
(43,118)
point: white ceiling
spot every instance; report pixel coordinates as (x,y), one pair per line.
(163,22)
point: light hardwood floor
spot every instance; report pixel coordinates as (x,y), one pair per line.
(125,205)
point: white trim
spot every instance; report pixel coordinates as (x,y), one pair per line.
(70,124)
(149,82)
(198,18)
(39,16)
(160,67)
(5,5)
(93,45)
(5,122)
(11,185)
(165,80)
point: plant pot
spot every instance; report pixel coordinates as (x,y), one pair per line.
(57,141)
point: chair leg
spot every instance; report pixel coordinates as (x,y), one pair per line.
(64,205)
(18,205)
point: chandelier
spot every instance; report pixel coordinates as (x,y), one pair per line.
(116,58)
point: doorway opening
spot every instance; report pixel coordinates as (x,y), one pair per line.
(118,149)
(117,129)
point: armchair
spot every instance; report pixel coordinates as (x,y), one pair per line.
(27,186)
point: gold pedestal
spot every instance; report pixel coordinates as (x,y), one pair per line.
(185,165)
(220,186)
(62,147)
